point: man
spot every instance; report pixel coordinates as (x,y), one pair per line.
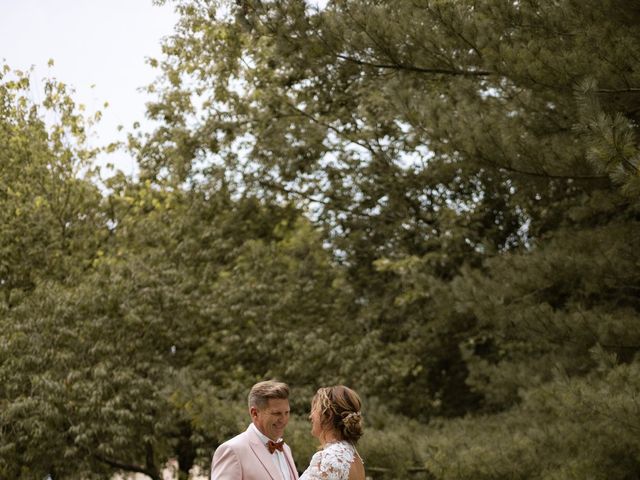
(259,453)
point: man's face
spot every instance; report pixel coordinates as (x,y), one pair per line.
(273,418)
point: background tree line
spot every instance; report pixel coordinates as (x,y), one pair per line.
(435,202)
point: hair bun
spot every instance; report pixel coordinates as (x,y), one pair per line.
(352,422)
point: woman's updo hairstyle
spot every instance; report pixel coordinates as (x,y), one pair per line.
(339,408)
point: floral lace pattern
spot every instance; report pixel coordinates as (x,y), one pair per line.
(331,463)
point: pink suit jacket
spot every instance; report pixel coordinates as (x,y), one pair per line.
(245,457)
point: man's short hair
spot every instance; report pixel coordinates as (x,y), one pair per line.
(262,392)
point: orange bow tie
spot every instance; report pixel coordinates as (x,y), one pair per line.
(273,446)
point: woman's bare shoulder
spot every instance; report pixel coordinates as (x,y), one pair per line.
(356,472)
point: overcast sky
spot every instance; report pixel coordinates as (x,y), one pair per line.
(92,42)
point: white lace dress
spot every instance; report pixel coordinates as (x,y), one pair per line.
(331,463)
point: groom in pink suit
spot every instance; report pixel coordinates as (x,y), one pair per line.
(259,453)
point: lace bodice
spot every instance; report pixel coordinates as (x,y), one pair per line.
(331,463)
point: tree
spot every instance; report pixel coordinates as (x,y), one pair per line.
(50,216)
(474,166)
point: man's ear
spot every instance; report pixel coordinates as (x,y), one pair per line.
(253,411)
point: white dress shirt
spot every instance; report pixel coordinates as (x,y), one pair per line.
(277,456)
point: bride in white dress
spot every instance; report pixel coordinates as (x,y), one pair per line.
(337,422)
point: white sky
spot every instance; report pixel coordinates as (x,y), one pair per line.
(92,42)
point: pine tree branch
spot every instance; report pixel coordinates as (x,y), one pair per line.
(551,176)
(361,143)
(449,26)
(403,66)
(385,48)
(609,416)
(374,40)
(538,174)
(620,347)
(413,68)
(623,90)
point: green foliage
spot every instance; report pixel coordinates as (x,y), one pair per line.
(569,428)
(82,387)
(49,215)
(433,202)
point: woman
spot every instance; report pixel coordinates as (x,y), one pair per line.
(337,422)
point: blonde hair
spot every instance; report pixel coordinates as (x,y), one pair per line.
(262,392)
(339,409)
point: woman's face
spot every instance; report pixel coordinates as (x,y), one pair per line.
(316,425)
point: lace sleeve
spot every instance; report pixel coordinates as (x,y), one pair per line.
(314,472)
(332,463)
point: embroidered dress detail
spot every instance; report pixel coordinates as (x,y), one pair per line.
(331,463)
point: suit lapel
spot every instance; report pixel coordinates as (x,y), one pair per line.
(290,462)
(263,456)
